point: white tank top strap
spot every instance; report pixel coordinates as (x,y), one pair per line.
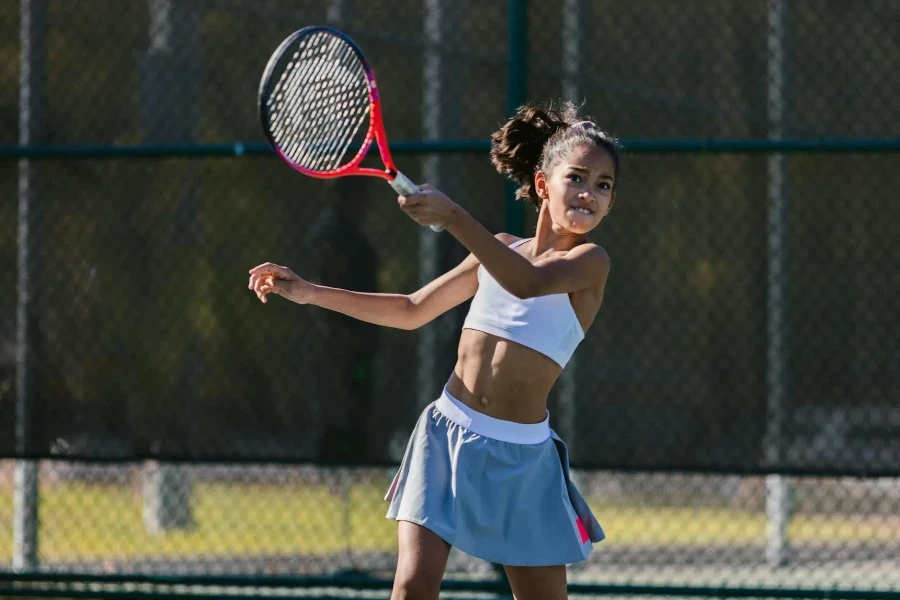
(512,246)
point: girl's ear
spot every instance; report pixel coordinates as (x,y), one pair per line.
(540,185)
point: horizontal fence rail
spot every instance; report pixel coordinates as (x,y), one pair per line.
(239,149)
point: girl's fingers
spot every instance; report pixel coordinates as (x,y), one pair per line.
(258,280)
(420,217)
(262,268)
(270,289)
(272,269)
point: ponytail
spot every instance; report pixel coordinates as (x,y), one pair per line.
(533,140)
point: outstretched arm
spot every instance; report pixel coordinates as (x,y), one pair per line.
(390,310)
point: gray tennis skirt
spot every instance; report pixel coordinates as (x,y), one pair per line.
(495,489)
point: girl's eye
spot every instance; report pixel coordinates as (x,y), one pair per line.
(575,177)
(604,185)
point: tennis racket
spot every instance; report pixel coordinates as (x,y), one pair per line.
(321,111)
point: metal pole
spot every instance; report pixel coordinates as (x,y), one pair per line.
(335,13)
(517,95)
(572,32)
(335,18)
(167,487)
(31,64)
(777,486)
(428,240)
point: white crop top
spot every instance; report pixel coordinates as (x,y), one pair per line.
(547,324)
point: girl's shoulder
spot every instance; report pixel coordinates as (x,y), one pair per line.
(507,238)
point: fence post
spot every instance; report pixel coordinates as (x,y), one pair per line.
(31,71)
(432,70)
(517,95)
(572,34)
(777,486)
(167,488)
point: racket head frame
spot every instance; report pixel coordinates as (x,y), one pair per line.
(375,133)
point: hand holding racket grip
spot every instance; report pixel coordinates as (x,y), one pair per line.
(404,186)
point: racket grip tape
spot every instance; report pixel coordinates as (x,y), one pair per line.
(404,186)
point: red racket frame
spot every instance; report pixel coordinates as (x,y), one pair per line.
(376,130)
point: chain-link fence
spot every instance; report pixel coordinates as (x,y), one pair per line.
(733,412)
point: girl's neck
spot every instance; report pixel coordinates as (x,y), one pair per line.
(546,239)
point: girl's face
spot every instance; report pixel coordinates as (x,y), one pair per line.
(578,191)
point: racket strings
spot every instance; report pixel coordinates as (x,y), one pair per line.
(292,118)
(333,131)
(319,97)
(289,89)
(329,118)
(320,102)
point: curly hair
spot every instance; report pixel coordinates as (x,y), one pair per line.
(535,139)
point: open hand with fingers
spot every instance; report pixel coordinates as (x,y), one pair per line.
(269,278)
(429,207)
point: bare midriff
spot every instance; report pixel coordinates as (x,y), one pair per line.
(502,379)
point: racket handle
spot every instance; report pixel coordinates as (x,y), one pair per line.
(404,186)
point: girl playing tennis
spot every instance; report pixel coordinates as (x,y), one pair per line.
(483,471)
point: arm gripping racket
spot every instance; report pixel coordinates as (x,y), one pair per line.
(321,111)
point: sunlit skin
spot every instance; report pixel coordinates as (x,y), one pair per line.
(499,378)
(583,179)
(518,390)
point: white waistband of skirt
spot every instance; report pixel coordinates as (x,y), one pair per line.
(497,429)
